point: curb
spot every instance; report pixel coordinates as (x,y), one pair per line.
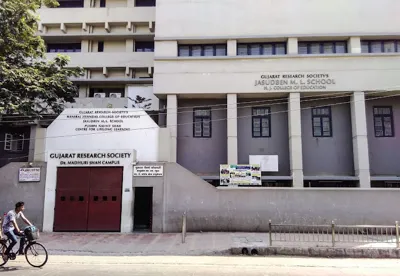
(372,253)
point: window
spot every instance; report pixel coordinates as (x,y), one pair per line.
(202,123)
(383,121)
(202,50)
(264,49)
(261,122)
(14,142)
(145,3)
(322,122)
(144,46)
(63,47)
(313,48)
(380,46)
(70,3)
(100,46)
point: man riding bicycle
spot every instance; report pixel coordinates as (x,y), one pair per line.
(11,229)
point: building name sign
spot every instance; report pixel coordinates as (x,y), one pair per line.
(149,170)
(103,120)
(295,82)
(90,159)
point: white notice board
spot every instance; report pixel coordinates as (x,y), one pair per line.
(29,175)
(268,163)
(148,170)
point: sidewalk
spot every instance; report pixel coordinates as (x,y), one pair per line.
(197,244)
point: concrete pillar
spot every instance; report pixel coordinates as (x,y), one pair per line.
(232,129)
(354,45)
(360,139)
(172,122)
(83,91)
(85,46)
(292,46)
(232,48)
(87,3)
(40,143)
(295,145)
(129,45)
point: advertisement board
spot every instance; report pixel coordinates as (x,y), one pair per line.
(240,175)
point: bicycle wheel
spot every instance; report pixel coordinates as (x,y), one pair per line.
(36,251)
(3,248)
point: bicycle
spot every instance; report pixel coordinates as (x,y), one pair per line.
(29,247)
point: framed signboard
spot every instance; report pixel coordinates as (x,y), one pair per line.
(29,175)
(240,175)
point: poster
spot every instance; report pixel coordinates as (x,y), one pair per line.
(240,175)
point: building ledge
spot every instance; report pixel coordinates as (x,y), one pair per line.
(114,80)
(278,37)
(385,178)
(331,178)
(291,56)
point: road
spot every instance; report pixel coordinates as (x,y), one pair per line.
(200,266)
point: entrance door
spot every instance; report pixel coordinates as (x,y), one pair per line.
(88,199)
(143,212)
(71,209)
(105,199)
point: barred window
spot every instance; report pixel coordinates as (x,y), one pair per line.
(254,49)
(202,123)
(380,46)
(322,121)
(14,142)
(261,122)
(332,47)
(383,121)
(202,50)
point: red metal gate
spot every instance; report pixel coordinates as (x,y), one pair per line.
(88,199)
(72,195)
(105,199)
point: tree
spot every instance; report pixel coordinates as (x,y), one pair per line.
(29,84)
(140,102)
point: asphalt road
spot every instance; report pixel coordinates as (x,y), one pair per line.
(210,266)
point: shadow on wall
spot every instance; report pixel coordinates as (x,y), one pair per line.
(32,193)
(249,209)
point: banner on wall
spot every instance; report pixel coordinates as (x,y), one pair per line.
(243,175)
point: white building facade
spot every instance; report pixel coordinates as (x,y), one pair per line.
(312,82)
(311,86)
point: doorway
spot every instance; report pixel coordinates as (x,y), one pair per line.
(143,209)
(88,199)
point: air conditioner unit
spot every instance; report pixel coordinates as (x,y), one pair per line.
(99,95)
(115,95)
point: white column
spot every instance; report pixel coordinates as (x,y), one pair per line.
(129,45)
(232,129)
(292,46)
(354,45)
(232,48)
(295,146)
(87,3)
(360,139)
(172,122)
(40,144)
